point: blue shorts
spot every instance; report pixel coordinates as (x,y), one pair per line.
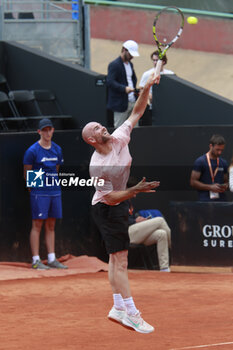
(44,207)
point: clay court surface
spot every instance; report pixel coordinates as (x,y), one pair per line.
(68,309)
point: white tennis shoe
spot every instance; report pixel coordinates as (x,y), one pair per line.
(116,315)
(137,323)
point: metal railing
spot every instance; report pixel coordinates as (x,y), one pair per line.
(55,27)
(61,28)
(157,8)
(41,8)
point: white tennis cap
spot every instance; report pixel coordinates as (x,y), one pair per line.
(132,47)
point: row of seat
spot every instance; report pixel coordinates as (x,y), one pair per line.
(21,109)
(21,15)
(24,106)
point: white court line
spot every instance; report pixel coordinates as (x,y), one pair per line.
(203,346)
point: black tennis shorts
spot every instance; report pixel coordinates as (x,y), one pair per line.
(112,222)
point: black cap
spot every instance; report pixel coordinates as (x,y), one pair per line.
(45,122)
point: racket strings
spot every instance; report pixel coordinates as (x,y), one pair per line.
(167,27)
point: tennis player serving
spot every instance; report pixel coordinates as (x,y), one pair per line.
(111,162)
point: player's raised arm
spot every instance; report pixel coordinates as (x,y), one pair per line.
(141,103)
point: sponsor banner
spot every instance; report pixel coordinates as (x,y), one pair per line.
(202,233)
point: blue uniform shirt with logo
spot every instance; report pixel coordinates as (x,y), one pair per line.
(201,165)
(47,160)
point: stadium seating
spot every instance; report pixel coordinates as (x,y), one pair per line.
(4,86)
(47,103)
(37,104)
(48,106)
(21,110)
(26,15)
(25,102)
(9,118)
(8,15)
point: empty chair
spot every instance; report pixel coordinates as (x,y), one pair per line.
(9,115)
(6,107)
(5,110)
(25,102)
(48,106)
(8,15)
(47,103)
(26,15)
(4,86)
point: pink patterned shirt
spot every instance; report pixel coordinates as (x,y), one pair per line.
(113,168)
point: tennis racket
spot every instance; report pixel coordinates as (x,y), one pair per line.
(167,28)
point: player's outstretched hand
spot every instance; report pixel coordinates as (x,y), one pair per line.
(153,79)
(144,186)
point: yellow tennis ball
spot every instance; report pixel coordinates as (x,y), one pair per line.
(192,20)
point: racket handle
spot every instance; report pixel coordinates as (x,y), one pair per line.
(158,67)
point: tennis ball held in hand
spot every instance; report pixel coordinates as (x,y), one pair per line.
(192,20)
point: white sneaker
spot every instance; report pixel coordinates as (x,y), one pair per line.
(136,322)
(116,315)
(165,270)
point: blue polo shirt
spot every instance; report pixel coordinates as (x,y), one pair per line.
(47,160)
(201,165)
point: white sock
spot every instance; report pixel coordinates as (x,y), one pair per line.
(130,306)
(118,302)
(51,257)
(35,258)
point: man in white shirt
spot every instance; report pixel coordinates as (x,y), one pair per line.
(154,57)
